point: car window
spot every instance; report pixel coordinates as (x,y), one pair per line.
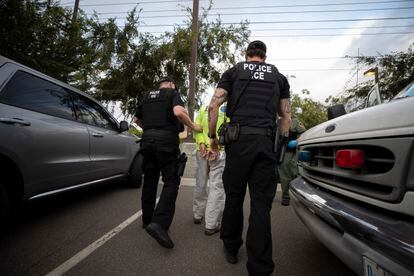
(93,114)
(408,91)
(36,94)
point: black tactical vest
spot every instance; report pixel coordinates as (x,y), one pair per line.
(258,103)
(157,111)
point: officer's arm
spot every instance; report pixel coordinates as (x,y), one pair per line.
(219,97)
(182,116)
(284,112)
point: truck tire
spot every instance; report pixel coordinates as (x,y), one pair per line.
(135,172)
(4,207)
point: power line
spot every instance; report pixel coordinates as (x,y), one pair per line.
(282,12)
(291,21)
(270,6)
(320,29)
(318,69)
(305,35)
(311,58)
(133,3)
(331,28)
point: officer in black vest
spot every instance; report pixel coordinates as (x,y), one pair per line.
(161,116)
(256,92)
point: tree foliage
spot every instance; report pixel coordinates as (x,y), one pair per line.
(149,58)
(46,38)
(308,111)
(396,70)
(110,62)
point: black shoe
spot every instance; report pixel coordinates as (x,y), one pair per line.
(197,220)
(285,201)
(231,258)
(159,234)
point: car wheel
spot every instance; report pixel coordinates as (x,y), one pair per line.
(135,172)
(4,207)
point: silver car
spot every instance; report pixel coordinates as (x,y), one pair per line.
(54,138)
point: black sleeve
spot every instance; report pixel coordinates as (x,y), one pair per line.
(284,87)
(176,99)
(138,113)
(226,80)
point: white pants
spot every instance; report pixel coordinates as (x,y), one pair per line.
(208,202)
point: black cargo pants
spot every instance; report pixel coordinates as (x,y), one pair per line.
(160,156)
(250,161)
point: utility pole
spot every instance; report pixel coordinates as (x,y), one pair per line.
(357,69)
(75,11)
(193,59)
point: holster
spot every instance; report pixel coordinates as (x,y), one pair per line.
(228,133)
(280,145)
(181,162)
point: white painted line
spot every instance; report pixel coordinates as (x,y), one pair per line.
(72,262)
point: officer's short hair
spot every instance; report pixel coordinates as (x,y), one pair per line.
(166,79)
(256,48)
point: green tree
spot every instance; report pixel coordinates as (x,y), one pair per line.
(147,58)
(46,38)
(308,111)
(113,63)
(396,70)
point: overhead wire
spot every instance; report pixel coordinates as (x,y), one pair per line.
(328,35)
(322,28)
(132,3)
(266,6)
(293,21)
(277,12)
(313,58)
(331,28)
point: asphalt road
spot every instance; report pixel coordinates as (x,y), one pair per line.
(52,231)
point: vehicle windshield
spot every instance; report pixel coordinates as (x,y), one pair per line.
(408,91)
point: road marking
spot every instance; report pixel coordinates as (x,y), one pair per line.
(72,262)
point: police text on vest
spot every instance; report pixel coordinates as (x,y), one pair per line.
(258,74)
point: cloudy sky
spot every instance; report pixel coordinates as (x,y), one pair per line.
(307,39)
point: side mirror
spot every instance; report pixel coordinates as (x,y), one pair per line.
(336,111)
(123,126)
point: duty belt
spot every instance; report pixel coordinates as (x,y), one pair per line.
(244,130)
(148,133)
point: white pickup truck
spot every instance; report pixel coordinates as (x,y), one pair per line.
(355,191)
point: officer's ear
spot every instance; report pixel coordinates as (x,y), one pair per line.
(265,57)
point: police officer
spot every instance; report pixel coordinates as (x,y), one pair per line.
(256,92)
(288,170)
(161,116)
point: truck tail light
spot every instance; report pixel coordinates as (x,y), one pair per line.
(350,158)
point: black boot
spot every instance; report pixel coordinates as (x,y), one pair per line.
(285,201)
(159,234)
(231,257)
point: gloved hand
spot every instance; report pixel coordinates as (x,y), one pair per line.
(292,144)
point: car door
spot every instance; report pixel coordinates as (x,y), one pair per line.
(111,151)
(38,127)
